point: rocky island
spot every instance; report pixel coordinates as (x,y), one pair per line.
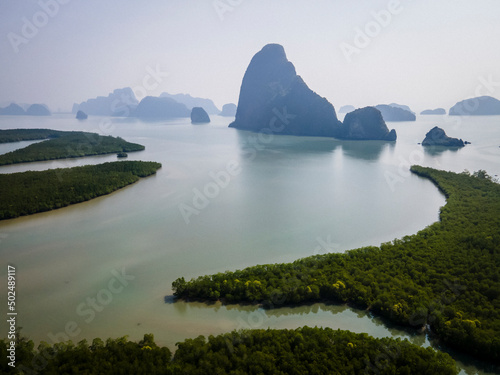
(12,110)
(191,102)
(366,123)
(228,110)
(480,106)
(273,98)
(437,137)
(199,116)
(38,110)
(437,111)
(121,102)
(80,115)
(402,106)
(160,108)
(391,113)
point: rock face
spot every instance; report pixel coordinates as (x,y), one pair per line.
(199,116)
(437,111)
(346,109)
(160,108)
(402,106)
(37,110)
(80,115)
(228,110)
(12,110)
(191,102)
(366,123)
(480,106)
(437,137)
(121,102)
(274,98)
(390,113)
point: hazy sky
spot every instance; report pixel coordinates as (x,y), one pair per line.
(423,53)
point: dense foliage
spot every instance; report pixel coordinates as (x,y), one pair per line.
(119,356)
(31,192)
(301,351)
(16,135)
(69,145)
(447,276)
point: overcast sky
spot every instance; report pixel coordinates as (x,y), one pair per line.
(423,53)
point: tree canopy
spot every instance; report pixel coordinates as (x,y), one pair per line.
(61,145)
(31,192)
(446,276)
(300,351)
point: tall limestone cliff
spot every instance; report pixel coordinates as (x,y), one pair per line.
(274,98)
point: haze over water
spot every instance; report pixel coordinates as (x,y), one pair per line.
(291,197)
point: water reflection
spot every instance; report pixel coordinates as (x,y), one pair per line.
(252,143)
(440,150)
(312,309)
(366,150)
(343,315)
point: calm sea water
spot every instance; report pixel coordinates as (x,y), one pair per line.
(223,200)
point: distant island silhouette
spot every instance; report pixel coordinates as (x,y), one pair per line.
(480,106)
(391,113)
(437,111)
